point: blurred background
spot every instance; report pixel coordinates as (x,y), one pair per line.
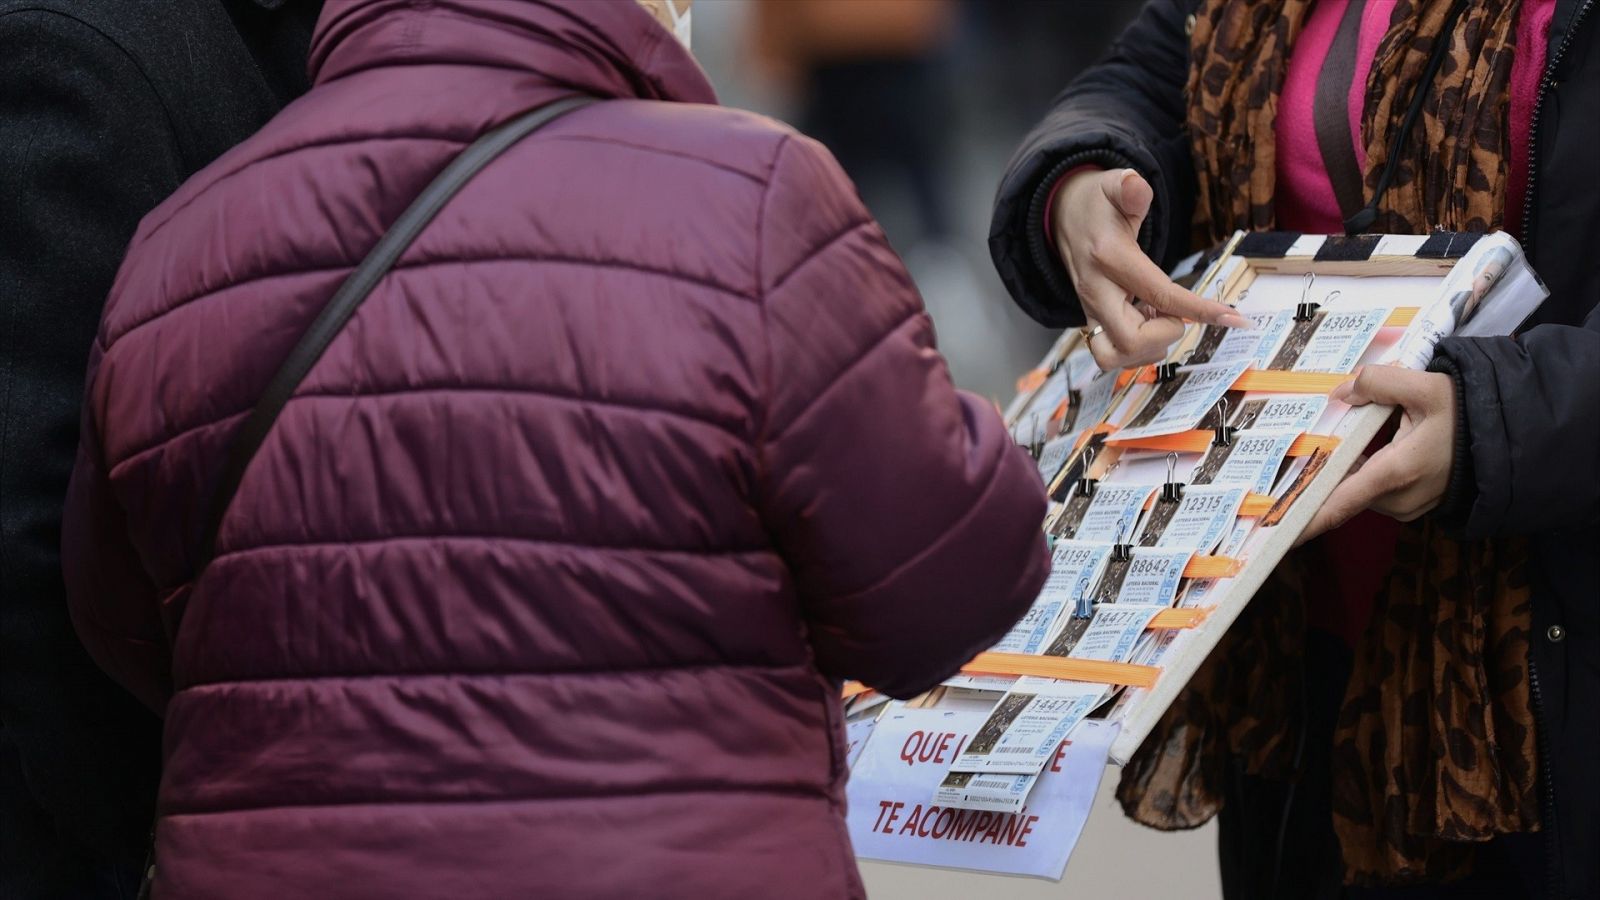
(923,102)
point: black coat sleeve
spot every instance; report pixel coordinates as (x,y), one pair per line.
(87,151)
(1528,455)
(1127,111)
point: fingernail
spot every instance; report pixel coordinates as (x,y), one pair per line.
(1234,320)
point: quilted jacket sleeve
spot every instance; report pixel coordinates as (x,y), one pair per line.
(909,519)
(1126,111)
(1529,442)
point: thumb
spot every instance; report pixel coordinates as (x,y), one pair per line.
(1386,385)
(1130,194)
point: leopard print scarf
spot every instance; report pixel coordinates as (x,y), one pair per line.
(1434,748)
(1452,168)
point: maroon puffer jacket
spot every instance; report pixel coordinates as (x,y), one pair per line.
(539,586)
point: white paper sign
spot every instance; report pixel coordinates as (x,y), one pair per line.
(1180,404)
(856,734)
(1027,725)
(1113,513)
(1340,339)
(1113,632)
(894,818)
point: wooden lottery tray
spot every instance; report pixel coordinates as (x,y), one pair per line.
(1407,275)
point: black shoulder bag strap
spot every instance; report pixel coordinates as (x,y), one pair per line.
(342,305)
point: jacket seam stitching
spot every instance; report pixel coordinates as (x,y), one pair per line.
(817,252)
(156,226)
(819,793)
(376,540)
(766,328)
(838,377)
(329,393)
(945,534)
(424,264)
(662,151)
(455,675)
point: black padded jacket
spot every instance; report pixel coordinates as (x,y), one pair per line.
(106,106)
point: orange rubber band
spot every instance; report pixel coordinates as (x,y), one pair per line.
(1032,380)
(1290,382)
(1169,619)
(1199,441)
(1064,668)
(1213,567)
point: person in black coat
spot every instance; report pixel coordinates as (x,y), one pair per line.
(1523,455)
(106,106)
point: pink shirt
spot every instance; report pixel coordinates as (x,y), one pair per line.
(1305,200)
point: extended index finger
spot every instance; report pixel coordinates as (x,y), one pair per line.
(1129,267)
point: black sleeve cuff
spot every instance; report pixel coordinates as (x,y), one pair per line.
(1066,311)
(1461,492)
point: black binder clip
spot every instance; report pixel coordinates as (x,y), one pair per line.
(1305,309)
(1222,432)
(1086,485)
(1119,551)
(1036,446)
(1166,372)
(1172,491)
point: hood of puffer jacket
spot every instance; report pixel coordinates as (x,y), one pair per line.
(608,49)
